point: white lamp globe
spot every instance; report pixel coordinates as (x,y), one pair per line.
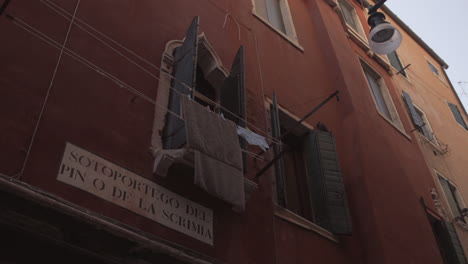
(384,38)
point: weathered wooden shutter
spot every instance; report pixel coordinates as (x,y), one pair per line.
(326,188)
(233,91)
(185,67)
(451,246)
(457,115)
(417,121)
(279,168)
(233,97)
(450,195)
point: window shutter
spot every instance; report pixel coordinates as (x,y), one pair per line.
(279,169)
(452,248)
(326,188)
(185,67)
(450,195)
(233,91)
(417,121)
(457,115)
(233,96)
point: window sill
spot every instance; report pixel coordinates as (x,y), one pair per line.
(401,130)
(282,34)
(306,224)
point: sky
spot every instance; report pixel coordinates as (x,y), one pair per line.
(443,25)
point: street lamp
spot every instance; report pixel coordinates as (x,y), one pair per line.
(384,38)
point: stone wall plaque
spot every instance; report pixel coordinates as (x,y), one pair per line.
(104,179)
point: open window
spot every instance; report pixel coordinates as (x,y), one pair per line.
(308,176)
(199,74)
(205,108)
(419,119)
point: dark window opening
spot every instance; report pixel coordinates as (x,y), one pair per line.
(205,93)
(297,193)
(308,175)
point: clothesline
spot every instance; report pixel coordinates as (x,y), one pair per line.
(99,70)
(50,4)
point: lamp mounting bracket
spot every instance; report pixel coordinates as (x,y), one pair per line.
(374,8)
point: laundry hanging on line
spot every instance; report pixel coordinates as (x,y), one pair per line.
(252,138)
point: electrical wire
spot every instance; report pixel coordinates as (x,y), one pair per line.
(82,60)
(432,91)
(46,99)
(57,8)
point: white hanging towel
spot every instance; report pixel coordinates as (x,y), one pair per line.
(252,138)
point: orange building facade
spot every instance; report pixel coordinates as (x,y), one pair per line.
(111,112)
(443,134)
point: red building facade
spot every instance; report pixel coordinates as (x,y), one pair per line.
(94,83)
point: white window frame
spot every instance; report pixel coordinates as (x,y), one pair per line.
(461,113)
(290,33)
(440,75)
(360,30)
(459,197)
(402,65)
(394,116)
(214,63)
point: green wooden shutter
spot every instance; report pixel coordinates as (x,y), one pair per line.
(279,168)
(233,97)
(185,75)
(417,121)
(457,115)
(326,188)
(446,186)
(451,247)
(233,91)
